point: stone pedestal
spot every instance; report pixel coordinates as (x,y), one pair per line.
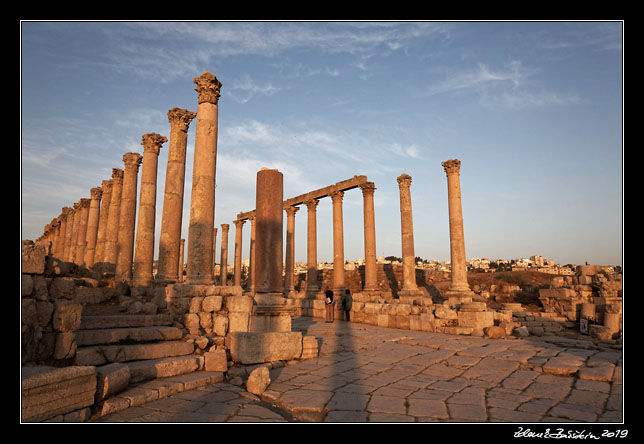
(475,315)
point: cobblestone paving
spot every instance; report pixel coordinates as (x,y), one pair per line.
(370,374)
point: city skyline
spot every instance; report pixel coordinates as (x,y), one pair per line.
(532,109)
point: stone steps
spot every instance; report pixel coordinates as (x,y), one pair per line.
(127,335)
(104,354)
(124,321)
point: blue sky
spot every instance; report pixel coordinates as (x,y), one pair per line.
(532,109)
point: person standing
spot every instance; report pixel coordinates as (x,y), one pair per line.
(328,305)
(346,304)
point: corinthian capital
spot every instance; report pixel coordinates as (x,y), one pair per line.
(208,88)
(84,203)
(181,118)
(291,210)
(132,160)
(311,204)
(368,188)
(117,175)
(452,166)
(404,180)
(96,193)
(152,142)
(336,196)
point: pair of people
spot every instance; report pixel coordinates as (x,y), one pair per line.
(329,303)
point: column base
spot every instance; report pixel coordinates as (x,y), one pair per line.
(455,297)
(199,280)
(409,296)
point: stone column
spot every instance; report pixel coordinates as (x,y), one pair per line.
(181,247)
(99,254)
(65,221)
(57,237)
(269,232)
(214,250)
(92,225)
(311,247)
(223,262)
(370,269)
(238,250)
(111,235)
(74,233)
(127,217)
(251,259)
(338,245)
(407,232)
(459,288)
(289,275)
(202,199)
(82,231)
(171,219)
(144,248)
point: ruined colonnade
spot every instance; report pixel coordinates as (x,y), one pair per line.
(100,232)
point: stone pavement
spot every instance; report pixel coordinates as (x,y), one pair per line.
(367,373)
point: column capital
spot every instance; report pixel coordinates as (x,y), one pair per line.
(368,188)
(84,203)
(180,118)
(106,185)
(291,210)
(96,193)
(225,227)
(76,205)
(404,180)
(132,161)
(239,223)
(336,196)
(311,204)
(117,175)
(152,142)
(208,88)
(452,166)
(66,211)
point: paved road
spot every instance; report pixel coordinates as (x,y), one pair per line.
(370,374)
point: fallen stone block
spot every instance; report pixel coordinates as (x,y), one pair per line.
(216,360)
(48,391)
(258,380)
(258,347)
(111,379)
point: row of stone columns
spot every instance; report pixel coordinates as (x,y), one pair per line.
(102,231)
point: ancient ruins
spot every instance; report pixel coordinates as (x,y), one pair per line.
(97,320)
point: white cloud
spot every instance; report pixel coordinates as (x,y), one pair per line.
(509,87)
(246,89)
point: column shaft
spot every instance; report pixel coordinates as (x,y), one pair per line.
(269,231)
(74,233)
(181,248)
(311,246)
(338,245)
(171,219)
(370,268)
(223,262)
(92,225)
(407,233)
(127,217)
(202,199)
(64,245)
(144,249)
(81,241)
(99,254)
(289,275)
(251,267)
(112,230)
(456,235)
(238,250)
